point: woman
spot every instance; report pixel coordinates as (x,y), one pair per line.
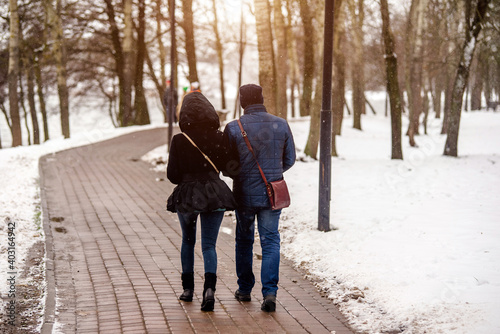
(195,159)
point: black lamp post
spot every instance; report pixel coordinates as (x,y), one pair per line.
(325,149)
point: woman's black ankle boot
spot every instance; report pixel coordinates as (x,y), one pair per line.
(188,286)
(209,292)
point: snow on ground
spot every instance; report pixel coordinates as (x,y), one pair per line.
(414,245)
(415,242)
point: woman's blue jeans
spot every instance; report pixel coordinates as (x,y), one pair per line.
(267,224)
(210,225)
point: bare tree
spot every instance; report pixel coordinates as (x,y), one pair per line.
(161,48)
(54,21)
(392,81)
(292,58)
(125,115)
(13,74)
(267,68)
(479,72)
(356,10)
(309,57)
(241,53)
(41,97)
(124,110)
(188,27)
(312,144)
(414,46)
(474,18)
(281,60)
(452,58)
(220,58)
(436,50)
(338,88)
(140,103)
(30,81)
(159,82)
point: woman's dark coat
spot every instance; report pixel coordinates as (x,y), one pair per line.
(199,187)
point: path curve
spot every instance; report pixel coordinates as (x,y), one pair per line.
(113,254)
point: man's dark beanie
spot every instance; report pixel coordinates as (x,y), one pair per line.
(251,94)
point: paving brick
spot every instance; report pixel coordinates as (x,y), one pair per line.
(117,264)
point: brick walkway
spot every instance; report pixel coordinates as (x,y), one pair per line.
(114,255)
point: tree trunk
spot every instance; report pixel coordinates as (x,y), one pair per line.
(124,108)
(437,96)
(487,79)
(267,68)
(425,106)
(13,74)
(187,25)
(41,98)
(292,60)
(392,81)
(161,49)
(160,83)
(309,58)
(140,103)
(126,115)
(462,75)
(409,67)
(358,78)
(311,148)
(477,81)
(31,100)
(23,107)
(439,78)
(450,69)
(220,57)
(414,56)
(338,89)
(282,59)
(59,52)
(62,89)
(241,53)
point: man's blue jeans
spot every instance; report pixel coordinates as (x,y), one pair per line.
(267,222)
(210,225)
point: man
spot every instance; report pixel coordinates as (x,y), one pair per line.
(272,142)
(167,100)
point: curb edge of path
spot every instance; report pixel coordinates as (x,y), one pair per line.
(50,297)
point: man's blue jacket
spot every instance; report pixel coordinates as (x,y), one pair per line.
(272,142)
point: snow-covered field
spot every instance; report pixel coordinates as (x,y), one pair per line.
(415,243)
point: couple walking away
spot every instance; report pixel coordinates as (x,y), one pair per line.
(196,157)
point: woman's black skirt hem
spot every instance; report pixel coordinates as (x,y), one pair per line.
(201,196)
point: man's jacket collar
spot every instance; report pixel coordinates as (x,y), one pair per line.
(253,108)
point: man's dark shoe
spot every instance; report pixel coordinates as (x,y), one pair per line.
(242,297)
(187,295)
(269,303)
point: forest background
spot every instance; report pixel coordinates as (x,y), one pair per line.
(60,56)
